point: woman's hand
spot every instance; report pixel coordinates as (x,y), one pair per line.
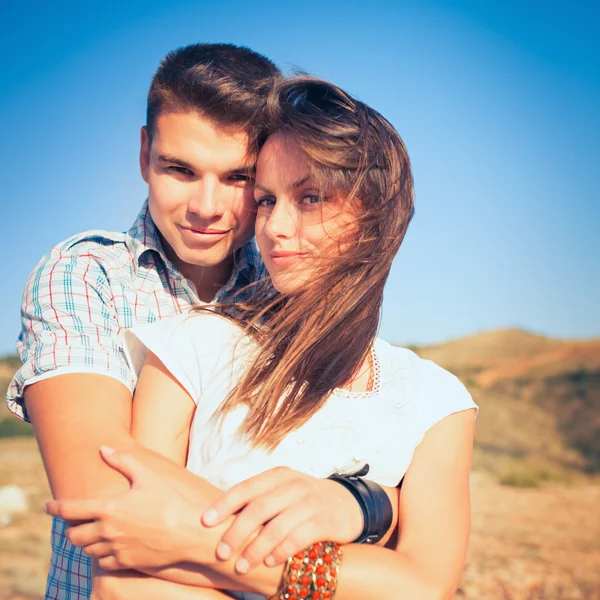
(286,511)
(151,525)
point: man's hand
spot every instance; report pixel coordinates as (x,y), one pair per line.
(150,525)
(288,510)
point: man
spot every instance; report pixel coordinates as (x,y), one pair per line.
(191,243)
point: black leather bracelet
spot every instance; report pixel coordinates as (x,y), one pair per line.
(374,503)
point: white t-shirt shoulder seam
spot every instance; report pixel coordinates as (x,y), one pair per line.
(191,346)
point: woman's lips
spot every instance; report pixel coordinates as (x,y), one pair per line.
(286,258)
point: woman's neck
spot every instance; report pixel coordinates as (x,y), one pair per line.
(362,380)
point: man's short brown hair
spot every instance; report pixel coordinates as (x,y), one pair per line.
(224,83)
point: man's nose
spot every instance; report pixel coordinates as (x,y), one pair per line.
(207,199)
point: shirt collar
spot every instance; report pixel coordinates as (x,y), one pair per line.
(143,237)
(248,267)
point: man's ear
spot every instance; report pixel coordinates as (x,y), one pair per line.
(144,154)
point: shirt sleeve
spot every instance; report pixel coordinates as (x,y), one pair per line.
(68,325)
(197,349)
(440,394)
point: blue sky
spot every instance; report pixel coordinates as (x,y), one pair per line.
(498,106)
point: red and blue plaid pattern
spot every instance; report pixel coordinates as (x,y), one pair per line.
(77,303)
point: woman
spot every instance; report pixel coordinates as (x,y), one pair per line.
(298,379)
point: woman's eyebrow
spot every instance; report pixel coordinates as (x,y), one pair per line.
(257,186)
(293,186)
(300,182)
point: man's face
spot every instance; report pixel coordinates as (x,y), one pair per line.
(200,194)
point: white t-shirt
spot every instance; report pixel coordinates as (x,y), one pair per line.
(208,355)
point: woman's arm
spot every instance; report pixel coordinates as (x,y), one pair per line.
(434,509)
(162,412)
(160,422)
(125,585)
(295,509)
(283,503)
(435,515)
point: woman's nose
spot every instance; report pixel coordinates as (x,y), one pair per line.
(283,221)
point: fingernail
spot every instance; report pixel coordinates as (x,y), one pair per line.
(107,449)
(210,517)
(223,551)
(45,508)
(242,565)
(270,561)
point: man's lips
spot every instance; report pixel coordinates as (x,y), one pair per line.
(203,236)
(200,231)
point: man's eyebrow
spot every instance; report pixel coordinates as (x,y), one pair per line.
(165,158)
(173,160)
(243,170)
(293,186)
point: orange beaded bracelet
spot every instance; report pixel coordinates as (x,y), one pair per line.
(312,573)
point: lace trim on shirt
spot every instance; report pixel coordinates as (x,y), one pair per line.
(340,392)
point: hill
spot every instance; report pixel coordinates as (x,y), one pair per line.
(539,399)
(10,426)
(493,356)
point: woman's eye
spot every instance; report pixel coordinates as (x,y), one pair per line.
(310,199)
(265,201)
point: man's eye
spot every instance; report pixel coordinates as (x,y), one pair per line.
(240,177)
(179,170)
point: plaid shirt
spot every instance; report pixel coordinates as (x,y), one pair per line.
(78,302)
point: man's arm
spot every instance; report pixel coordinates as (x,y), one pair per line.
(72,416)
(74,381)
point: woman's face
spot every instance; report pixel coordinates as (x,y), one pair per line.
(297,227)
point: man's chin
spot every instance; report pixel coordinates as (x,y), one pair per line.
(208,257)
(206,262)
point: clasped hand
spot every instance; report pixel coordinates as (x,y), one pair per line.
(171,516)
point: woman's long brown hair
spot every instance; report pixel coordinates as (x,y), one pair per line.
(315,340)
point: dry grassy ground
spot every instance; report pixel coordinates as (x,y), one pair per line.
(530,544)
(526,544)
(25,543)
